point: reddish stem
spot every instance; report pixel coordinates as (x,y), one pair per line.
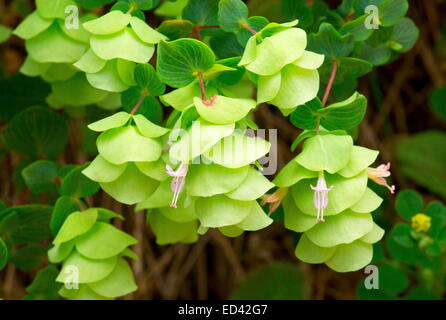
(309,3)
(208,27)
(244,25)
(330,82)
(196,31)
(138,104)
(79,204)
(23,197)
(203,91)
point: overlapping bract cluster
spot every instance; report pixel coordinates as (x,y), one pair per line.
(344,240)
(219,192)
(287,73)
(129,166)
(53,48)
(92,253)
(118,41)
(225,102)
(88,61)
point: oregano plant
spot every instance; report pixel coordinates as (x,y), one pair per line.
(178,85)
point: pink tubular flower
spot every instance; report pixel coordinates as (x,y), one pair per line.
(320,199)
(179,179)
(378,174)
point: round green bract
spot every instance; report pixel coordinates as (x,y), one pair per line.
(131,187)
(219,211)
(103,241)
(223,110)
(328,153)
(125,144)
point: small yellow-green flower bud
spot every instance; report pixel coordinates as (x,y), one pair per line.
(421,222)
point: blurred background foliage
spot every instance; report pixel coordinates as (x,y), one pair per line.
(405,120)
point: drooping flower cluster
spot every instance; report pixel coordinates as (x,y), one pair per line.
(53,45)
(329,202)
(89,61)
(129,166)
(118,41)
(92,252)
(218,192)
(287,73)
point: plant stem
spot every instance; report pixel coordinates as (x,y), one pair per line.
(208,27)
(244,25)
(196,30)
(143,96)
(318,125)
(79,204)
(203,91)
(327,91)
(330,82)
(197,33)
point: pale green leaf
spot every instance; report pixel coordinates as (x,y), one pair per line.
(60,252)
(114,121)
(162,197)
(118,283)
(199,138)
(360,159)
(155,169)
(277,51)
(112,22)
(53,45)
(147,128)
(257,219)
(268,87)
(223,110)
(238,150)
(53,8)
(219,211)
(103,241)
(184,213)
(32,26)
(326,152)
(351,257)
(369,202)
(77,91)
(298,86)
(342,228)
(145,32)
(208,180)
(308,252)
(88,270)
(100,170)
(291,174)
(168,231)
(252,187)
(124,45)
(294,219)
(108,78)
(33,68)
(124,144)
(373,235)
(309,60)
(90,63)
(131,187)
(76,224)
